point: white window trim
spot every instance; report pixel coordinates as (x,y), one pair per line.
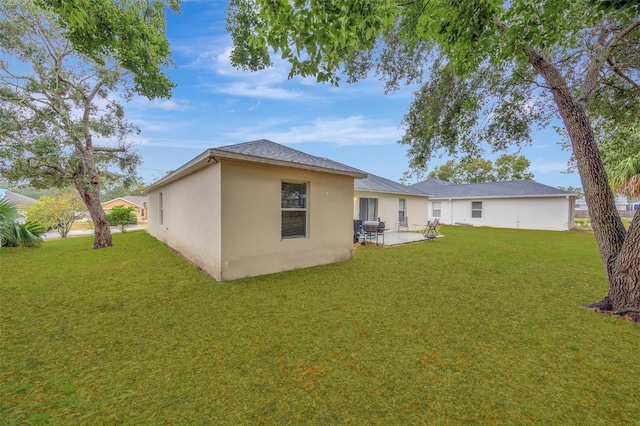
(434,210)
(476,210)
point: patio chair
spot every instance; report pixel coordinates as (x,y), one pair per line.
(404,223)
(431,229)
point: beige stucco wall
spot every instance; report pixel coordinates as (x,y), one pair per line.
(226,219)
(191,218)
(548,213)
(251,220)
(119,202)
(417,208)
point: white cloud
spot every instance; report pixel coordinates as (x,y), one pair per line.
(355,130)
(257,91)
(548,167)
(163,104)
(263,84)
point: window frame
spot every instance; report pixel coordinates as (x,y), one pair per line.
(285,210)
(475,210)
(370,202)
(434,210)
(402,209)
(161,203)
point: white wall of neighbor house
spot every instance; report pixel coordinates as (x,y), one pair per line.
(544,213)
(416,208)
(252,239)
(188,217)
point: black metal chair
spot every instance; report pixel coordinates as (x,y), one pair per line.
(431,229)
(404,223)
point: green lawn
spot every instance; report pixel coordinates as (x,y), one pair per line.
(482,326)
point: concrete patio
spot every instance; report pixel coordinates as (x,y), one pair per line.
(394,238)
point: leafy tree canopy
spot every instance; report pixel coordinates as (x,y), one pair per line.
(59,211)
(130,31)
(470,57)
(578,191)
(112,189)
(507,167)
(620,148)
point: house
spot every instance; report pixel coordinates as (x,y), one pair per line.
(20,201)
(519,204)
(377,198)
(16,199)
(138,202)
(622,204)
(255,208)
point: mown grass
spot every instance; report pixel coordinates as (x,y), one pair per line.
(482,326)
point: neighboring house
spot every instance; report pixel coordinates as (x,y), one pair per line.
(622,204)
(20,201)
(138,202)
(255,208)
(519,204)
(378,198)
(17,199)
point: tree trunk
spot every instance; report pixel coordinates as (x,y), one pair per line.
(623,297)
(618,252)
(89,189)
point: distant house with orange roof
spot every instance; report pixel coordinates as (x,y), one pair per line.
(138,202)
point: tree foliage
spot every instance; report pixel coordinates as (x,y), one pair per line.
(578,191)
(507,167)
(122,216)
(14,233)
(112,189)
(620,148)
(59,211)
(60,126)
(132,32)
(488,72)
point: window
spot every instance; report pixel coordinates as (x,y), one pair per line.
(294,210)
(161,211)
(402,209)
(368,209)
(436,209)
(476,209)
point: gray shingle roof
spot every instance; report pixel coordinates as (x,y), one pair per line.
(519,188)
(17,199)
(266,149)
(138,200)
(380,184)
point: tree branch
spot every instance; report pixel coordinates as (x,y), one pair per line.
(107,149)
(415,18)
(87,111)
(602,52)
(34,162)
(623,76)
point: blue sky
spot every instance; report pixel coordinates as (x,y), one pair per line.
(215,105)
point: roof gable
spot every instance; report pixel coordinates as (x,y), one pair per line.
(268,150)
(262,151)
